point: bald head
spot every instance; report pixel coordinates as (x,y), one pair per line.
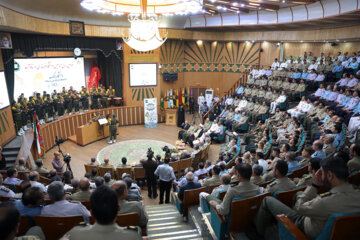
(190,177)
(120,188)
(106,161)
(75,183)
(84,184)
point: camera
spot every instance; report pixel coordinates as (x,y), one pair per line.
(67,158)
(59,141)
(166,149)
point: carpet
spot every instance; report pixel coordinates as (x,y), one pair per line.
(133,150)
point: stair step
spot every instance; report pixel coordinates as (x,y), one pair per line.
(10,153)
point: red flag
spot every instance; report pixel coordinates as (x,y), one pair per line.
(37,137)
(95,76)
(180,97)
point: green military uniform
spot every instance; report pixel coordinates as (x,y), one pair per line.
(97,231)
(84,99)
(111,94)
(306,180)
(277,84)
(299,66)
(304,162)
(283,73)
(50,107)
(76,99)
(329,148)
(113,128)
(257,180)
(134,207)
(243,189)
(280,184)
(268,96)
(285,85)
(241,121)
(354,164)
(80,196)
(94,98)
(60,103)
(104,99)
(262,110)
(254,112)
(250,107)
(247,91)
(254,92)
(261,94)
(16,111)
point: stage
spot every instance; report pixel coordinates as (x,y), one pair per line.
(81,155)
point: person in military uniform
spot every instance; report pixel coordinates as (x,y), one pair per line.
(70,105)
(104,207)
(311,211)
(104,98)
(16,112)
(282,182)
(306,179)
(263,109)
(111,94)
(84,193)
(256,174)
(84,99)
(121,190)
(49,102)
(214,179)
(244,189)
(113,127)
(76,100)
(94,98)
(60,103)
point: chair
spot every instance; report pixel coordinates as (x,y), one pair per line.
(124,220)
(205,204)
(89,168)
(266,183)
(202,176)
(175,166)
(86,204)
(196,160)
(183,164)
(191,197)
(242,213)
(212,187)
(103,170)
(45,180)
(287,197)
(354,178)
(24,226)
(139,173)
(121,171)
(55,227)
(298,173)
(220,137)
(23,175)
(338,226)
(13,187)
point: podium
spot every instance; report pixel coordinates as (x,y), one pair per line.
(92,132)
(170,117)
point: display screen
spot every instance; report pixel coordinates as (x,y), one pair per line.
(143,74)
(4,97)
(47,74)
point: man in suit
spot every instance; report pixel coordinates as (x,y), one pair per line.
(189,185)
(121,190)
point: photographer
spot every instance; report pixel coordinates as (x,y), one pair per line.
(57,163)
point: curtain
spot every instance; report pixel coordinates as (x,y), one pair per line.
(27,44)
(111,72)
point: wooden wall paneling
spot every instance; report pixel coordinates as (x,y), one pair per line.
(7,126)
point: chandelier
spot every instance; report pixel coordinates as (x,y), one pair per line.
(143,16)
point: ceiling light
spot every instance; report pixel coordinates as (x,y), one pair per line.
(242,5)
(219,7)
(237,11)
(283,1)
(234,3)
(199,42)
(302,41)
(254,4)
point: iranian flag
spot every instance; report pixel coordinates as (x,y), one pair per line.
(37,137)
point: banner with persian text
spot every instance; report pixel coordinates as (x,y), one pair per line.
(150,112)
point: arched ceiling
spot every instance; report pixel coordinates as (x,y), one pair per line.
(215,12)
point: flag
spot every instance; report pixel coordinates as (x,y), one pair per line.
(186,97)
(95,76)
(162,100)
(177,97)
(180,97)
(183,96)
(37,137)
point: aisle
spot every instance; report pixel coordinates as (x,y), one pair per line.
(165,222)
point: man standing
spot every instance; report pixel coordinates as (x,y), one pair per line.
(166,176)
(57,163)
(150,166)
(200,101)
(113,127)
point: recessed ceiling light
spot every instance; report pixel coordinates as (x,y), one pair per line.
(234,3)
(219,7)
(199,41)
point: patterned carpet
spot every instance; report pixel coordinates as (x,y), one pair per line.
(133,150)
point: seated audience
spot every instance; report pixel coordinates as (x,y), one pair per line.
(120,187)
(62,207)
(84,193)
(354,163)
(133,193)
(39,167)
(12,177)
(201,169)
(215,179)
(93,161)
(5,191)
(282,182)
(104,207)
(306,179)
(21,165)
(257,171)
(311,211)
(31,203)
(189,185)
(244,189)
(34,178)
(291,162)
(224,186)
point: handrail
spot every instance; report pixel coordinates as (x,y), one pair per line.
(230,91)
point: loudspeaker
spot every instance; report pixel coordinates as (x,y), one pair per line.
(261,50)
(170,77)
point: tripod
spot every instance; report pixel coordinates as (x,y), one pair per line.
(67,159)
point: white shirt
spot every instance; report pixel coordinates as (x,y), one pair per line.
(307,107)
(229,101)
(319,92)
(312,66)
(352,83)
(201,100)
(283,65)
(274,65)
(281,99)
(268,72)
(6,192)
(311,76)
(254,72)
(320,78)
(200,171)
(242,104)
(14,181)
(39,185)
(264,164)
